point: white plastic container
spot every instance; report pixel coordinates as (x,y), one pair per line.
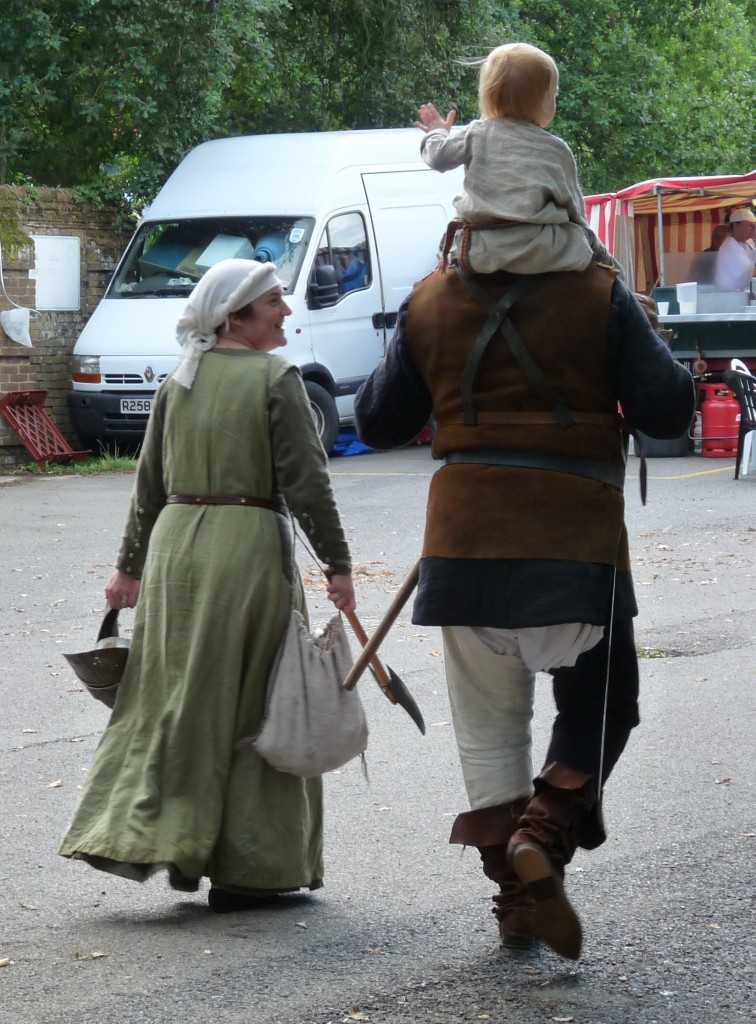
(687,296)
(715,301)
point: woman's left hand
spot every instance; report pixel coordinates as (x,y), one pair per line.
(341,592)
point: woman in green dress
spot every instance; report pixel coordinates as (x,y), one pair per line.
(208,554)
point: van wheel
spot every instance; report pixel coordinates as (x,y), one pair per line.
(324,413)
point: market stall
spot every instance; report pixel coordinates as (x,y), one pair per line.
(658,230)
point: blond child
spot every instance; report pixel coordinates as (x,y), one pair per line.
(522,209)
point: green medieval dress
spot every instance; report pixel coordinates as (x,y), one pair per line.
(168,787)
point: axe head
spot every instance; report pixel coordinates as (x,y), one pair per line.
(398,693)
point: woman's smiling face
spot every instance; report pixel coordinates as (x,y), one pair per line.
(264,329)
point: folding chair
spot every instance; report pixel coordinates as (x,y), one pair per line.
(743,386)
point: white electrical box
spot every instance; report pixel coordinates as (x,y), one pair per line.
(57,272)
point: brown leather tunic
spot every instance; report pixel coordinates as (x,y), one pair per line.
(505,512)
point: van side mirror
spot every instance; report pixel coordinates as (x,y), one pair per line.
(323,289)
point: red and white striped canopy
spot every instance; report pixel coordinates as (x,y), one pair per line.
(627,221)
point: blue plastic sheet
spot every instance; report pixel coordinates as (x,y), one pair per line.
(347,443)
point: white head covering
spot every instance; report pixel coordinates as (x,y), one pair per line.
(226,287)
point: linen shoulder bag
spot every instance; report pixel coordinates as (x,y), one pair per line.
(311,725)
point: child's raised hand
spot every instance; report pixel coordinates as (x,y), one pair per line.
(430,119)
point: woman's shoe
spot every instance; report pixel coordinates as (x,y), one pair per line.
(180,882)
(221,901)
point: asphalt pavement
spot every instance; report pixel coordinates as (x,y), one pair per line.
(402,931)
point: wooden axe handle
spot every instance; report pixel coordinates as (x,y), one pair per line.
(367,655)
(380,672)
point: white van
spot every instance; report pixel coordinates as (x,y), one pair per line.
(351,219)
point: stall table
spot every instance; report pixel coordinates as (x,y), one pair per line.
(715,338)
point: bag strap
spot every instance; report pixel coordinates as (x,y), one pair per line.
(296,534)
(308,549)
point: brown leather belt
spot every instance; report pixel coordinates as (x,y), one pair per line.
(224,499)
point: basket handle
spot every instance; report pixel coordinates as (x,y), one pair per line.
(109,625)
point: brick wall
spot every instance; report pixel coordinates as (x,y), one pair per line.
(47,211)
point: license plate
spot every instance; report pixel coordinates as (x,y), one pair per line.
(138,405)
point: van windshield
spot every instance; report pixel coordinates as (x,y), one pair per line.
(168,258)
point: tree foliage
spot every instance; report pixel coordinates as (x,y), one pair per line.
(341,64)
(128,83)
(652,88)
(124,88)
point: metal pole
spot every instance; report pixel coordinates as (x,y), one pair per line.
(660,230)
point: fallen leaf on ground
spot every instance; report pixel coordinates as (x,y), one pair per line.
(356,1014)
(56,785)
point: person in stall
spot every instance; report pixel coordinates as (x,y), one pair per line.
(737,256)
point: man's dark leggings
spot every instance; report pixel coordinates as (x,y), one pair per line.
(579,694)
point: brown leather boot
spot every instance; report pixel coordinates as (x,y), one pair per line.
(490,829)
(549,831)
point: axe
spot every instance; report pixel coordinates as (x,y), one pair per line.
(393,687)
(390,683)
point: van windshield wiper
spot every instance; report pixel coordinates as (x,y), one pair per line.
(158,293)
(180,292)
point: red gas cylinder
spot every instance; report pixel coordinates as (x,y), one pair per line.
(720,421)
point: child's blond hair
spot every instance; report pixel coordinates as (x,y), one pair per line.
(515,80)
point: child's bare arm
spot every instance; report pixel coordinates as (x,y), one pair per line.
(430,119)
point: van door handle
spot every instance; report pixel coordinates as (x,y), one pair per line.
(384,321)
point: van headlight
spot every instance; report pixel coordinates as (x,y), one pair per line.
(86,370)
